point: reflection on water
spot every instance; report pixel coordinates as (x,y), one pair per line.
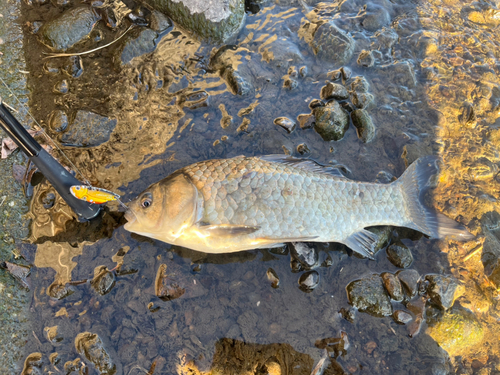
(112,300)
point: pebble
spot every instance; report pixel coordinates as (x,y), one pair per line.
(195,100)
(58,120)
(359,84)
(304,253)
(285,123)
(165,287)
(61,87)
(91,347)
(393,286)
(331,121)
(409,281)
(442,290)
(334,91)
(399,255)
(308,281)
(366,59)
(363,124)
(272,276)
(402,317)
(103,280)
(74,66)
(369,295)
(361,99)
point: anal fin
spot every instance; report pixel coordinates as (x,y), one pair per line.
(363,242)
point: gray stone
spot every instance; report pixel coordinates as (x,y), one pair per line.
(409,281)
(364,125)
(235,82)
(369,295)
(305,253)
(306,121)
(138,45)
(308,281)
(361,99)
(393,286)
(88,129)
(285,123)
(441,290)
(366,59)
(359,84)
(402,317)
(333,91)
(216,21)
(69,28)
(91,346)
(399,255)
(61,87)
(374,17)
(332,44)
(383,234)
(331,121)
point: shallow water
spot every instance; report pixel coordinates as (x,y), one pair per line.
(443,54)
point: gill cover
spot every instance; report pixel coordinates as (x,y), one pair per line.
(165,209)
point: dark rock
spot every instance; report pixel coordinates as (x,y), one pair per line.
(48,199)
(282,53)
(59,291)
(303,149)
(90,345)
(346,73)
(51,67)
(441,290)
(306,121)
(369,295)
(137,45)
(290,83)
(359,84)
(236,83)
(374,17)
(285,123)
(303,71)
(393,286)
(399,255)
(334,75)
(364,125)
(61,87)
(69,28)
(329,42)
(88,130)
(295,265)
(331,121)
(216,22)
(195,100)
(52,336)
(409,281)
(402,317)
(366,59)
(315,103)
(308,281)
(58,121)
(337,345)
(387,38)
(348,314)
(272,276)
(103,280)
(305,253)
(334,91)
(74,66)
(361,99)
(165,287)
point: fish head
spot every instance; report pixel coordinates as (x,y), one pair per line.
(164,210)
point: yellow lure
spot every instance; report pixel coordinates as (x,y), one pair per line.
(93,194)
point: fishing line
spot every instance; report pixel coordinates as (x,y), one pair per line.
(46,135)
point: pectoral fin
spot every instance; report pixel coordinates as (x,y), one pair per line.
(362,242)
(225,230)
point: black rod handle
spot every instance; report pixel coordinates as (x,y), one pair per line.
(57,175)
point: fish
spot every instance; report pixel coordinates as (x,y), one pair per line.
(93,194)
(243,203)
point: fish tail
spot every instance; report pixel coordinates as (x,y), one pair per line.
(415,182)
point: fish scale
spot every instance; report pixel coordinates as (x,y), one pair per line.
(228,205)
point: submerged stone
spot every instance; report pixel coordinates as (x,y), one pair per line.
(58,120)
(69,28)
(361,99)
(369,295)
(409,280)
(331,121)
(285,123)
(442,290)
(402,317)
(138,45)
(103,280)
(399,255)
(88,130)
(308,281)
(393,286)
(90,345)
(363,124)
(374,17)
(272,276)
(167,288)
(334,91)
(305,253)
(366,59)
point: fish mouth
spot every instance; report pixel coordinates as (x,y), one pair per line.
(131,218)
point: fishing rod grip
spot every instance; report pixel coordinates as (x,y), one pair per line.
(53,171)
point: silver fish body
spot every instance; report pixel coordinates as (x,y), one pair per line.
(229,205)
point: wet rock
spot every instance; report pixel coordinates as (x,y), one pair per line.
(135,46)
(88,130)
(393,286)
(285,123)
(33,364)
(71,27)
(74,367)
(103,280)
(305,253)
(361,99)
(51,67)
(216,22)
(346,73)
(18,272)
(303,71)
(334,91)
(400,73)
(363,124)
(386,38)
(74,66)
(467,115)
(295,265)
(159,22)
(442,290)
(334,75)
(374,17)
(359,84)
(457,331)
(399,255)
(336,345)
(306,121)
(303,149)
(290,83)
(59,291)
(235,82)
(90,345)
(369,295)
(402,317)
(366,59)
(308,281)
(282,54)
(51,335)
(167,288)
(383,233)
(315,103)
(272,276)
(58,120)
(61,87)
(329,42)
(195,100)
(348,314)
(409,281)
(331,121)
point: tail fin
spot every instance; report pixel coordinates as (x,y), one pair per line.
(415,181)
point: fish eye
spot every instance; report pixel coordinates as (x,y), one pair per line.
(146,200)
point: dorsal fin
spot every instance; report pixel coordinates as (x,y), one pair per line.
(307,164)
